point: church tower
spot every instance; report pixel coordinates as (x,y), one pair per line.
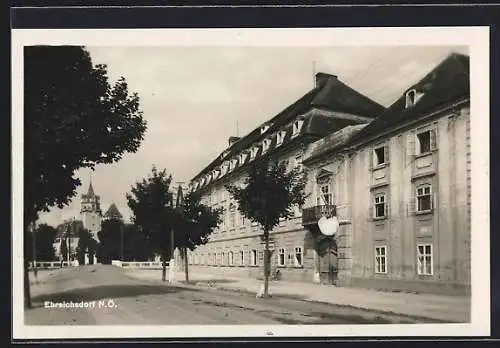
(91,212)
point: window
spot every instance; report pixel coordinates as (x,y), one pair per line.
(243,157)
(380,155)
(232,217)
(281,257)
(264,128)
(379,206)
(297,126)
(223,260)
(325,194)
(242,220)
(424,142)
(424,259)
(231,258)
(253,152)
(298,257)
(424,198)
(242,257)
(411,98)
(265,145)
(253,257)
(280,137)
(261,257)
(381,259)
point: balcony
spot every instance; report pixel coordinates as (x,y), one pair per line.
(313,214)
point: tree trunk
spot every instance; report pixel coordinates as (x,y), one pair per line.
(163,268)
(266,266)
(27,294)
(186,271)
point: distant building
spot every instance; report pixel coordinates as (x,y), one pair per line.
(91,212)
(91,218)
(113,213)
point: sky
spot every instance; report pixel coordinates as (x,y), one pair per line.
(195,98)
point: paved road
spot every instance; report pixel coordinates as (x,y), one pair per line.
(114,298)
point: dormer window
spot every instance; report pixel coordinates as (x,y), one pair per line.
(215,174)
(265,145)
(223,169)
(412,97)
(233,164)
(253,152)
(243,157)
(224,154)
(264,128)
(297,126)
(280,137)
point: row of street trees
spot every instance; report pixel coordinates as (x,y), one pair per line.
(166,225)
(269,193)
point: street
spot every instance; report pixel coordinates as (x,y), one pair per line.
(112,297)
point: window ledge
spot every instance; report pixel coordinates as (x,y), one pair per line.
(424,212)
(425,154)
(380,166)
(379,218)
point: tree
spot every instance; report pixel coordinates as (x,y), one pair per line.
(110,237)
(73,118)
(64,250)
(85,245)
(270,192)
(196,222)
(44,243)
(45,236)
(150,201)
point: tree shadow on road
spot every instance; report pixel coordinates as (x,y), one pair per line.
(108,292)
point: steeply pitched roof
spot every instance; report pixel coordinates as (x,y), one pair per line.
(447,83)
(113,212)
(90,191)
(329,94)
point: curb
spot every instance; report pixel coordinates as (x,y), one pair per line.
(204,285)
(300,298)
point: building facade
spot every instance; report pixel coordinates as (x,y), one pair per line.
(236,246)
(401,188)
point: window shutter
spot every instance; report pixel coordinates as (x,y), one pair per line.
(371,211)
(412,206)
(387,209)
(410,146)
(386,153)
(433,139)
(434,201)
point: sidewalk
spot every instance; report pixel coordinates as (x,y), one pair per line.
(438,307)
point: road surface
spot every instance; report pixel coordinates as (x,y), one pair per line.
(112,297)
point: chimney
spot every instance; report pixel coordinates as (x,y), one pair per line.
(233,140)
(322,79)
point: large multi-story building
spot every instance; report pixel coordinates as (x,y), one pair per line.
(401,188)
(329,106)
(397,179)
